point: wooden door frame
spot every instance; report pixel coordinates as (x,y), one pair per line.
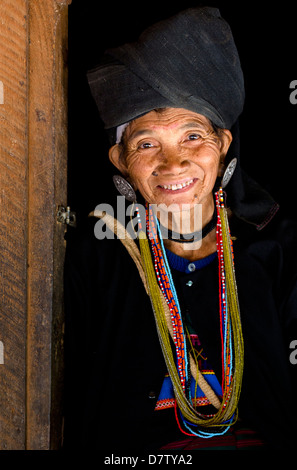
(33,183)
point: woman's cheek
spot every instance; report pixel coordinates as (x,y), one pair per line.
(139,184)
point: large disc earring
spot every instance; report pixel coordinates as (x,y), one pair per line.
(124,188)
(229,172)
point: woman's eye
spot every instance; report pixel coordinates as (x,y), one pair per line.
(146,145)
(194,136)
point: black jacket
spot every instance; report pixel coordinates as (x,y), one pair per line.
(114,364)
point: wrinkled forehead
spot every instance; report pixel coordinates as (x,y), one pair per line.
(164,120)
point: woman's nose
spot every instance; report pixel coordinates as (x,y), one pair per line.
(171,161)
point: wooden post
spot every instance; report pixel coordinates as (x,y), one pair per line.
(13,222)
(33,183)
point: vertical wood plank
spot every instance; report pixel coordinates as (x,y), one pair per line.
(59,244)
(13,219)
(47,175)
(33,156)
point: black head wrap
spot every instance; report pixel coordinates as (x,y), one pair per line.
(188,61)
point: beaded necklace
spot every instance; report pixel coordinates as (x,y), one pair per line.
(169,321)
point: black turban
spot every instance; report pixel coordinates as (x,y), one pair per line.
(188,61)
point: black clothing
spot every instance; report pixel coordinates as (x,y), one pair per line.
(113,357)
(186,61)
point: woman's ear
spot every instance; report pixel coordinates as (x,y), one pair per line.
(116,158)
(226,139)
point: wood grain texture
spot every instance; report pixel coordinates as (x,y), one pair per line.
(13,209)
(33,156)
(47,98)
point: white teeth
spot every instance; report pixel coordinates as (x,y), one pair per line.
(174,187)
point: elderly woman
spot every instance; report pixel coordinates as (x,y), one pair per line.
(181,338)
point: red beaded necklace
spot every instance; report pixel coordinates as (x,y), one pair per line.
(228,322)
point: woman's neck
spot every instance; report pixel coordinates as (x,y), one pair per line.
(207,247)
(199,249)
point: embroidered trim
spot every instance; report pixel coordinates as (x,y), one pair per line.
(170,403)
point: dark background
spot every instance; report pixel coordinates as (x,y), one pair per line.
(266,41)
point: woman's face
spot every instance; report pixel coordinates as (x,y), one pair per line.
(172,157)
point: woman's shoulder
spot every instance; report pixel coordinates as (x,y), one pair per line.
(281,229)
(91,245)
(91,233)
(274,245)
(81,239)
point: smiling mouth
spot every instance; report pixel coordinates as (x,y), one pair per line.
(178,186)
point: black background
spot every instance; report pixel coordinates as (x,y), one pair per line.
(266,40)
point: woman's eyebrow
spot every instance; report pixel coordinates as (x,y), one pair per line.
(191,125)
(140,132)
